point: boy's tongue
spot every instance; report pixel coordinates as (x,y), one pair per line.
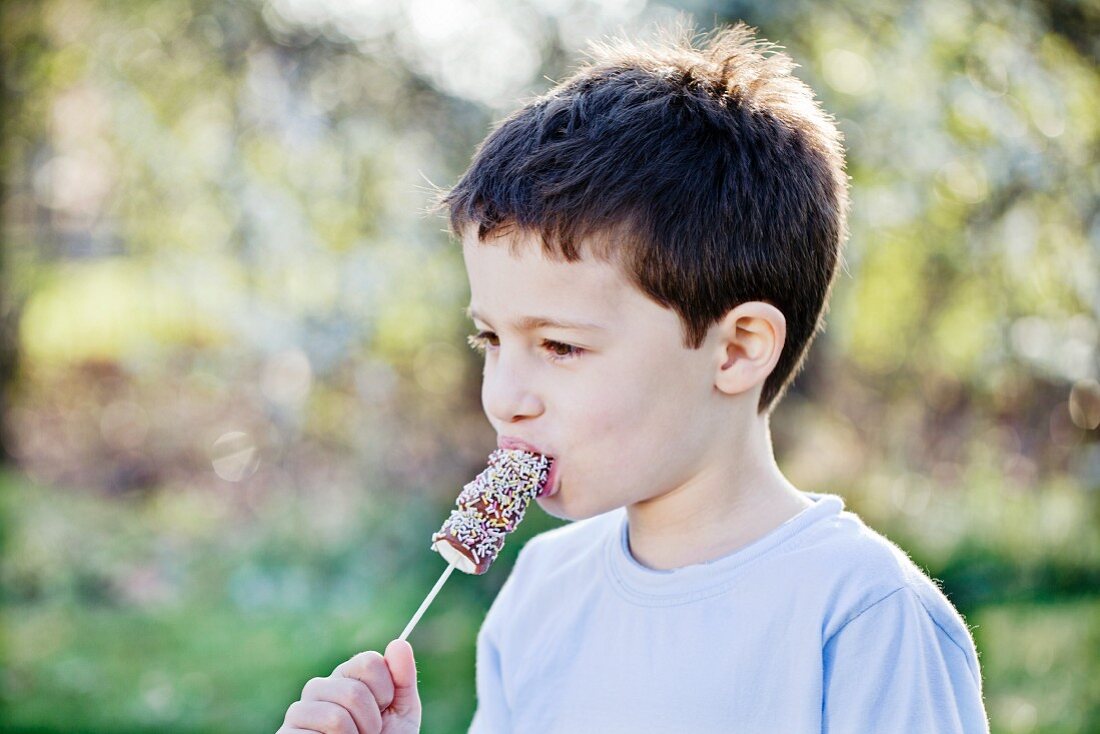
(548,488)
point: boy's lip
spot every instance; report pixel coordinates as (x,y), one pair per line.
(510,442)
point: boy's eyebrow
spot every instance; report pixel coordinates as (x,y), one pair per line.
(530,323)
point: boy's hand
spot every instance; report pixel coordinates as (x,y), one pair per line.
(369,694)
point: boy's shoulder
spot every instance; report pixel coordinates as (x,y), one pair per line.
(859,567)
(827,556)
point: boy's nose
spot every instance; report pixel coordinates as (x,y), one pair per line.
(506,392)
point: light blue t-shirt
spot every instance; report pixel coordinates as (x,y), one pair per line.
(822,625)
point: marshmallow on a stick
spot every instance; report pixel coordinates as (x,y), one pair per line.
(490,507)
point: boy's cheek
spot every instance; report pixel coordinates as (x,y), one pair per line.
(594,421)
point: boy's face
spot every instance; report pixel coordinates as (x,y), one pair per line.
(628,413)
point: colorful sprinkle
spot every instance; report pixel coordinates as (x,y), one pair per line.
(493,504)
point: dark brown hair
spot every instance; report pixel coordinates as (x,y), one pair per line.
(708,172)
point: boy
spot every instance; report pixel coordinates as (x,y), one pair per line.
(650,249)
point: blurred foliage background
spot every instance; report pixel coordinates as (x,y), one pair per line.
(236,400)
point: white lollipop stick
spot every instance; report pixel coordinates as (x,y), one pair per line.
(427,600)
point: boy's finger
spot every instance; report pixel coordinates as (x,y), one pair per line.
(350,693)
(402,665)
(370,668)
(320,716)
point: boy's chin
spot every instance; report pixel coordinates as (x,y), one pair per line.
(552,507)
(558,505)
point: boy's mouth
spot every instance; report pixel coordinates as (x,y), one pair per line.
(549,487)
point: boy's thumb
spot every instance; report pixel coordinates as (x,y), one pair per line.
(406,699)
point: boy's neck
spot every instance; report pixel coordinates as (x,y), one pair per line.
(735,500)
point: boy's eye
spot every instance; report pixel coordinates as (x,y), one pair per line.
(561,350)
(482,340)
(485,340)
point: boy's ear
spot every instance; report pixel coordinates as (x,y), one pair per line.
(750,339)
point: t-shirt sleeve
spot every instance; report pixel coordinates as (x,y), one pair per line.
(894,668)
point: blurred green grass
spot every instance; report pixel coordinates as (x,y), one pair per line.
(1039,664)
(78,658)
(226,653)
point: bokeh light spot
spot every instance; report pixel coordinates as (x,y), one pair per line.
(847,72)
(1084,404)
(287,378)
(234,456)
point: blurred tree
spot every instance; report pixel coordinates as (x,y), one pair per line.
(8,316)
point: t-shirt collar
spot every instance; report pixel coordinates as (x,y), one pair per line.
(653,587)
